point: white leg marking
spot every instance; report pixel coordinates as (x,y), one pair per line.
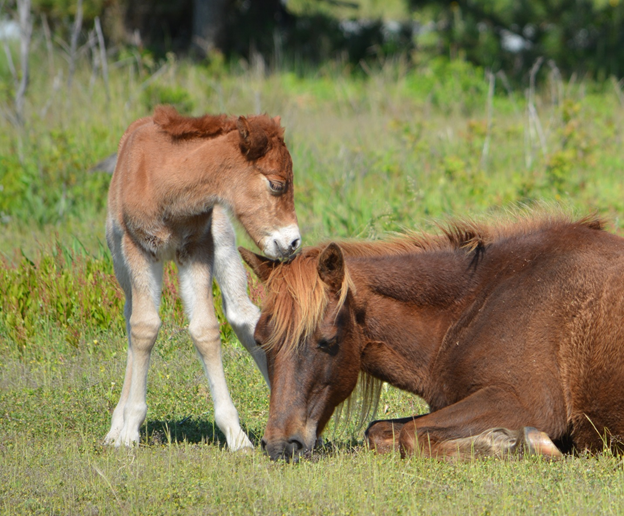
(196,292)
(142,283)
(122,272)
(240,312)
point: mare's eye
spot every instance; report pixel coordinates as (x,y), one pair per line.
(277,186)
(326,344)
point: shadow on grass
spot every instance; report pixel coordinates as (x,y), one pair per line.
(193,431)
(203,431)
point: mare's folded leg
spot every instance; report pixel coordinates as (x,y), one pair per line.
(383,435)
(489,422)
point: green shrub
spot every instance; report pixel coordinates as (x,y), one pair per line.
(75,293)
(177,96)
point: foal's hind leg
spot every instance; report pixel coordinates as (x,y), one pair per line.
(113,237)
(141,279)
(240,312)
(196,292)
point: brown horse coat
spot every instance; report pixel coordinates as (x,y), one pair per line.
(501,330)
(175,180)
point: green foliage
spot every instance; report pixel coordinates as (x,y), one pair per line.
(50,181)
(69,292)
(62,10)
(581,37)
(177,96)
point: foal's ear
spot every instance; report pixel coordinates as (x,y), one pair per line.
(261,265)
(278,120)
(253,142)
(331,267)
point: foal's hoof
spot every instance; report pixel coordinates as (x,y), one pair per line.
(538,443)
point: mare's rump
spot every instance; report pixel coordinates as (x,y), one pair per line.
(592,367)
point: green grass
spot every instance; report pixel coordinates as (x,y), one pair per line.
(374,152)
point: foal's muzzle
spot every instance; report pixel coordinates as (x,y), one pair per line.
(283,243)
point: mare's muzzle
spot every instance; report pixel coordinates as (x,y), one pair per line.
(291,449)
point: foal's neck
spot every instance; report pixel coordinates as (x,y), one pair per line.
(409,303)
(208,174)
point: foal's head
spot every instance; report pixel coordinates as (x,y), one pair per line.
(258,181)
(313,344)
(264,198)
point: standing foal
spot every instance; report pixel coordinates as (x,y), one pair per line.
(173,180)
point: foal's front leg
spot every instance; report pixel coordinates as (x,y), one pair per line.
(196,292)
(240,312)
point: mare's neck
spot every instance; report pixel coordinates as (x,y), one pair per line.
(408,303)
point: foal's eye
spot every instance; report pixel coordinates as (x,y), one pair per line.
(277,187)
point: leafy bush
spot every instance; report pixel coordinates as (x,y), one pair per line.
(71,293)
(177,96)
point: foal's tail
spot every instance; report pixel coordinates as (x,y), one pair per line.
(107,165)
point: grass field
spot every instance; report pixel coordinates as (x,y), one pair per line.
(375,151)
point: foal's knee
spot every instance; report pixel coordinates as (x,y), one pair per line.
(143,330)
(241,315)
(205,334)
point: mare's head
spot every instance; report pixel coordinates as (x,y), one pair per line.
(313,344)
(258,182)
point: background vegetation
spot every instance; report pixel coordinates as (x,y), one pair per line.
(378,147)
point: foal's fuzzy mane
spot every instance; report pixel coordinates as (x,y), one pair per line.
(297,297)
(209,126)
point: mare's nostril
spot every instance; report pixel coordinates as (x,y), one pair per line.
(295,444)
(295,243)
(263,444)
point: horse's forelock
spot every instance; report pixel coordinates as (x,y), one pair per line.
(297,299)
(268,125)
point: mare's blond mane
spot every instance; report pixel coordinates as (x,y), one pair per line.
(297,297)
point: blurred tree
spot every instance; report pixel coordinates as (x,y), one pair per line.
(209,18)
(585,36)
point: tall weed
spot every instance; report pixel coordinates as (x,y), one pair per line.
(74,294)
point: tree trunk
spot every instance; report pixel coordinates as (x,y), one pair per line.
(208,24)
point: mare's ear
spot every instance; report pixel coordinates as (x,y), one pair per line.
(261,265)
(331,267)
(253,142)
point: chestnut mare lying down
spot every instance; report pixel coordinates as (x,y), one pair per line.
(175,177)
(514,336)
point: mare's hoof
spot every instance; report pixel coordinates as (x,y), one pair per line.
(383,436)
(538,443)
